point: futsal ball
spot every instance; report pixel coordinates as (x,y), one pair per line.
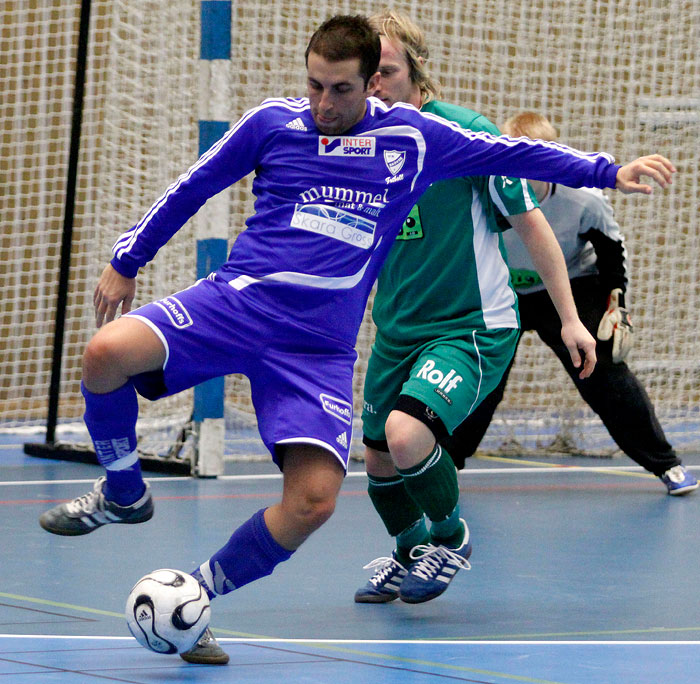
(167,611)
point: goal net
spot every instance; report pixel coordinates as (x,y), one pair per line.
(610,76)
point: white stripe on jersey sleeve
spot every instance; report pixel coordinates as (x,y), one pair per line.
(510,142)
(496,198)
(127,239)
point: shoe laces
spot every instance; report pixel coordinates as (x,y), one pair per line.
(386,565)
(87,503)
(430,560)
(675,474)
(206,638)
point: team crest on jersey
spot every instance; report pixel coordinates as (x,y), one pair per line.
(394,160)
(346,146)
(337,408)
(412,228)
(523,277)
(177,313)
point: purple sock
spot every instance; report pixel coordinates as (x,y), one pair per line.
(111,421)
(250,553)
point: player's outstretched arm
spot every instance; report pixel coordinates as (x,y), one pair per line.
(541,243)
(654,166)
(112,290)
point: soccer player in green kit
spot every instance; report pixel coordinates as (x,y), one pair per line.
(447,326)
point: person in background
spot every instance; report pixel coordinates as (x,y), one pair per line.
(596,258)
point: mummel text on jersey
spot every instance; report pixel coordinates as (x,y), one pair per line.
(328,208)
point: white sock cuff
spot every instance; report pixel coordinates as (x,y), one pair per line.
(207,575)
(124,462)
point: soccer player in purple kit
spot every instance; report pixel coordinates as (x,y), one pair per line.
(335,175)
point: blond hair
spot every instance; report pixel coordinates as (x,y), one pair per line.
(399,29)
(530,125)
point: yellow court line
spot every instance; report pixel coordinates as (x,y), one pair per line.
(549,635)
(335,649)
(384,656)
(108,613)
(520,461)
(434,665)
(57,604)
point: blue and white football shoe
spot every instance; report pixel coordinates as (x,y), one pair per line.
(679,481)
(384,585)
(434,568)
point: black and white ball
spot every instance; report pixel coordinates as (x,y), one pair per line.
(167,611)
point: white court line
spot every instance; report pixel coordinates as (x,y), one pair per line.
(413,642)
(554,468)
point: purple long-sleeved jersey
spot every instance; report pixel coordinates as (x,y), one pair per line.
(328,208)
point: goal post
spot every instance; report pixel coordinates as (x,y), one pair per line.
(161,84)
(212,221)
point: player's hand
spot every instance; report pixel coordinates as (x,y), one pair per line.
(112,290)
(654,166)
(577,340)
(616,323)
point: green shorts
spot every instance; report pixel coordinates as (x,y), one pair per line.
(451,376)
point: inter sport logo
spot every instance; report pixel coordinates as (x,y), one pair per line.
(346,146)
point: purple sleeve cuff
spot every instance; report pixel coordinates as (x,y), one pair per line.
(126,270)
(611,175)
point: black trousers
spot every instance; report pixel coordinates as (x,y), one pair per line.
(612,390)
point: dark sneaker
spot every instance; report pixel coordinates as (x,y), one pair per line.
(434,569)
(92,510)
(206,651)
(679,481)
(384,585)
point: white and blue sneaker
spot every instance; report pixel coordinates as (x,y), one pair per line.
(679,481)
(206,651)
(384,585)
(434,569)
(92,510)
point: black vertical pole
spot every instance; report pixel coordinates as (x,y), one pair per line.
(50,449)
(69,211)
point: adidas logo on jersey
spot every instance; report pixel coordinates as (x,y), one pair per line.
(297,125)
(342,439)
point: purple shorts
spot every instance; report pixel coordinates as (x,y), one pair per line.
(301,380)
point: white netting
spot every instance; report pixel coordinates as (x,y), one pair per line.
(610,75)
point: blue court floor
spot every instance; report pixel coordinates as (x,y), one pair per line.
(584,572)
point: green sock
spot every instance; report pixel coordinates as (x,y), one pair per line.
(415,534)
(432,484)
(395,506)
(400,514)
(449,532)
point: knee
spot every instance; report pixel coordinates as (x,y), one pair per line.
(409,440)
(312,509)
(97,357)
(312,480)
(399,431)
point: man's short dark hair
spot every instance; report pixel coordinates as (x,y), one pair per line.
(348,37)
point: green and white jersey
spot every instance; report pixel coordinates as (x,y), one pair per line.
(447,273)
